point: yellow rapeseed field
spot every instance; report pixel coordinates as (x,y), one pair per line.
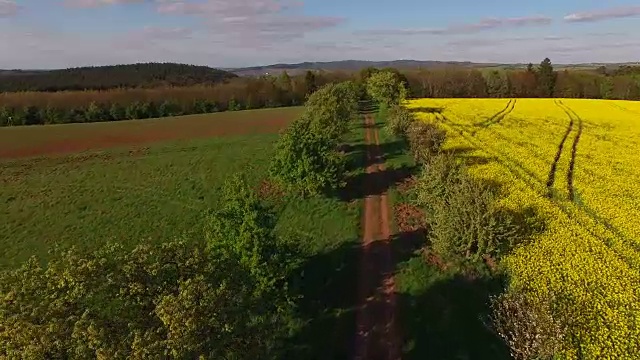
(574,163)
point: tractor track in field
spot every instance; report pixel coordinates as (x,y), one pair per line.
(620,107)
(554,166)
(574,147)
(497,117)
(377,335)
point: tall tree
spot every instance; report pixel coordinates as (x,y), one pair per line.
(546,78)
(310,82)
(530,68)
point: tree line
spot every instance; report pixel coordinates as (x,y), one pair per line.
(35,108)
(142,75)
(31,108)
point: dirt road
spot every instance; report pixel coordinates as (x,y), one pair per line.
(377,336)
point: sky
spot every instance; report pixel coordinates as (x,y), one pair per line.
(46,34)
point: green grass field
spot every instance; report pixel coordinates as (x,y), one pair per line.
(165,191)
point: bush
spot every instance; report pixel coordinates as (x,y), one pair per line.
(526,326)
(117,112)
(5,115)
(95,113)
(463,221)
(307,161)
(425,140)
(31,116)
(226,298)
(399,119)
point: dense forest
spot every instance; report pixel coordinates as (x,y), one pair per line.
(141,100)
(143,75)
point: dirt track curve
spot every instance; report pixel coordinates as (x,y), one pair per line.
(377,336)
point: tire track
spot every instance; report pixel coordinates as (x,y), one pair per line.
(554,167)
(498,117)
(377,336)
(620,107)
(574,148)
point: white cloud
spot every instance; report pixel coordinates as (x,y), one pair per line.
(482,25)
(98,3)
(254,23)
(604,14)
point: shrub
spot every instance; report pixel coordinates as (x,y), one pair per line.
(117,112)
(95,113)
(53,115)
(168,108)
(5,114)
(527,326)
(425,140)
(399,119)
(307,161)
(463,221)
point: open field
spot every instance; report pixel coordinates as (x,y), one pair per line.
(573,165)
(70,138)
(166,191)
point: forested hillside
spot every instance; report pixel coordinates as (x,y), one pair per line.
(143,75)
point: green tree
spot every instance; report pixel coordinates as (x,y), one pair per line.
(332,107)
(546,78)
(385,88)
(310,82)
(284,90)
(530,68)
(306,160)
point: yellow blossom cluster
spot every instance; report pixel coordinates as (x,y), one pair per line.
(572,163)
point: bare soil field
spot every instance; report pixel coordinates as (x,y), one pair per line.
(27,141)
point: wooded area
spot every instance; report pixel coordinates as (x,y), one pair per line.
(142,100)
(144,75)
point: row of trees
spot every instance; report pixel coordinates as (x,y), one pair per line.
(541,81)
(32,108)
(307,159)
(29,108)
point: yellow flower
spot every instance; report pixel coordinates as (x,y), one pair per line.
(574,162)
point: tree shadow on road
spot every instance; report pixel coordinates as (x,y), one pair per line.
(377,183)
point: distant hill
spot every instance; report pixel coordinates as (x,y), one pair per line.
(356,65)
(351,65)
(142,75)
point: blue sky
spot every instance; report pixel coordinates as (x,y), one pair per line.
(235,33)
